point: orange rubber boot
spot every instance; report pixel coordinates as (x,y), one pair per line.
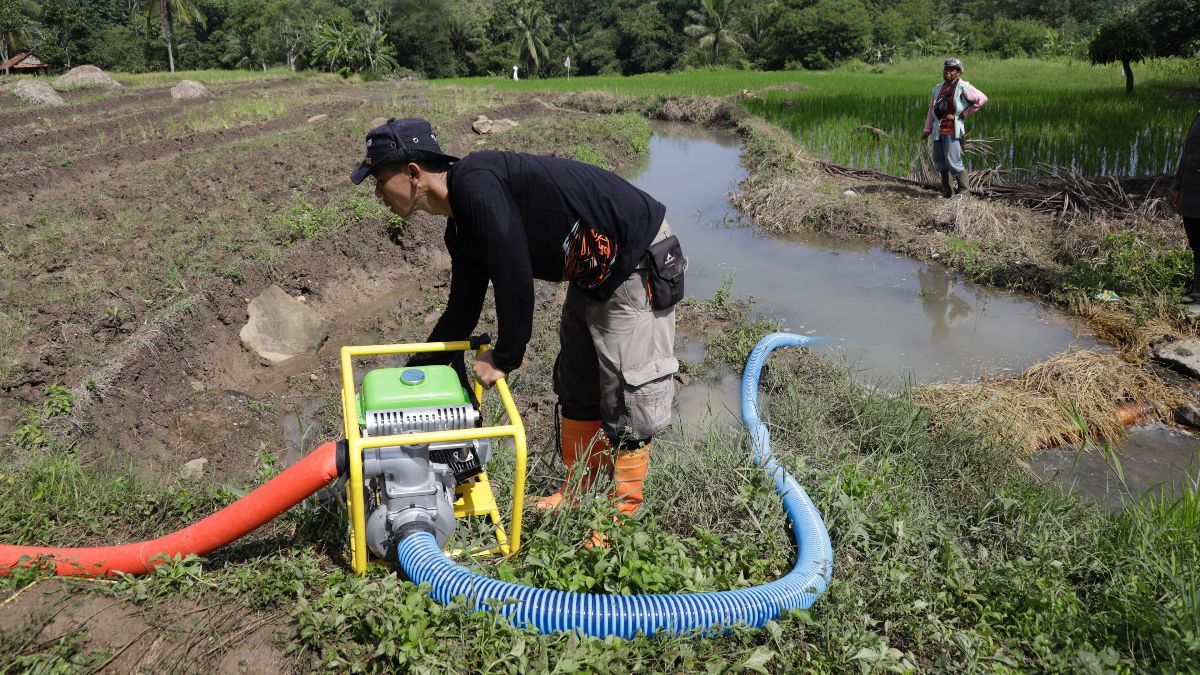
(629,474)
(584,449)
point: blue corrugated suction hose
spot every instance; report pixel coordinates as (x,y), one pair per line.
(683,614)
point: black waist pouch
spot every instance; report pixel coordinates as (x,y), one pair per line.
(665,280)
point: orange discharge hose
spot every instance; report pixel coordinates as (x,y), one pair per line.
(232,522)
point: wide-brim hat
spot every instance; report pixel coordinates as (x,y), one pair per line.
(406,140)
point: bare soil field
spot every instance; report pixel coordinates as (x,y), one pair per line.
(143,254)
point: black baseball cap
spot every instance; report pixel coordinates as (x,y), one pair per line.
(408,140)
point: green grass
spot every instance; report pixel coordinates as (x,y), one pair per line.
(211,76)
(1057,112)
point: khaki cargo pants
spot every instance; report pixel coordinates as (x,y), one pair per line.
(616,360)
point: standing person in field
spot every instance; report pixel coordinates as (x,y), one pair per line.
(1185,197)
(513,218)
(953,100)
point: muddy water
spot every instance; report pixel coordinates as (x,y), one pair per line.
(1155,459)
(895,319)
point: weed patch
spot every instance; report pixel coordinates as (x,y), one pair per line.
(31,433)
(1131,266)
(305,220)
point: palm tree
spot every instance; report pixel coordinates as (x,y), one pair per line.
(715,26)
(532,27)
(13,27)
(166,11)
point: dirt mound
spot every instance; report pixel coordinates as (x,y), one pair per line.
(187,89)
(35,93)
(83,77)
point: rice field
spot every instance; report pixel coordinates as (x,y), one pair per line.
(1042,117)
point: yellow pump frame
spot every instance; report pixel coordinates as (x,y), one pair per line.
(474,499)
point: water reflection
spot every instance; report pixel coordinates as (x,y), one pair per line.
(941,304)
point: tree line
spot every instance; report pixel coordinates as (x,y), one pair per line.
(444,38)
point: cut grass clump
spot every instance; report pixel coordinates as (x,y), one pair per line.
(305,220)
(1133,327)
(1032,411)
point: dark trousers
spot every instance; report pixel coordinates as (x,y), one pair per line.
(1192,227)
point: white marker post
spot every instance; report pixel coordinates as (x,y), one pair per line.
(567,63)
(515,73)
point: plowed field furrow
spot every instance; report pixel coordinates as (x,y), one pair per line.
(20,115)
(24,133)
(19,188)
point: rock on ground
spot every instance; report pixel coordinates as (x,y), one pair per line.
(483,125)
(36,92)
(194,469)
(282,327)
(82,77)
(1182,355)
(190,89)
(1188,414)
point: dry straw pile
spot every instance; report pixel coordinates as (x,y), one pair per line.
(1028,412)
(35,92)
(84,77)
(188,89)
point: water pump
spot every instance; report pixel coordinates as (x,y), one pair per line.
(417,450)
(412,487)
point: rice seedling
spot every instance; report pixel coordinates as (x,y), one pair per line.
(1044,117)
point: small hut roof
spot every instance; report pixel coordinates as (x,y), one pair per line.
(24,60)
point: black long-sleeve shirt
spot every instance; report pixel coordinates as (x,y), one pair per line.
(513,214)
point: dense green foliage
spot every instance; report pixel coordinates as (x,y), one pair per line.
(446,38)
(1125,40)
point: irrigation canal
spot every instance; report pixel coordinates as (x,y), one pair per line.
(893,318)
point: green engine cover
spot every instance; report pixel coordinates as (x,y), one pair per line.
(417,387)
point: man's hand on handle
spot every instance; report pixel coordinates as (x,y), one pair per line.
(925,135)
(1175,198)
(486,371)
